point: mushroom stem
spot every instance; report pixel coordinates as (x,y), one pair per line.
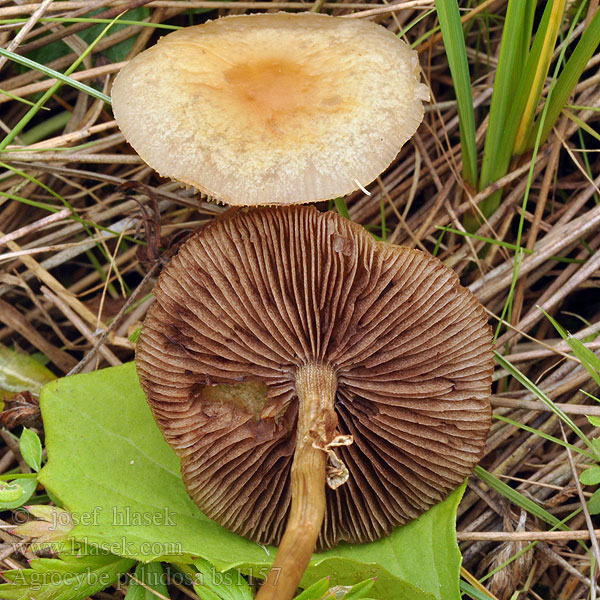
(316,386)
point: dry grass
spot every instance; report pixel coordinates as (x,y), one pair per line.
(75,289)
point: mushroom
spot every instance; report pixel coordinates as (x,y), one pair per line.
(317,385)
(272,108)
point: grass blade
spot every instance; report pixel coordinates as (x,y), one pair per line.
(550,438)
(588,359)
(569,78)
(482,238)
(510,134)
(510,61)
(472,592)
(536,69)
(342,208)
(514,49)
(528,384)
(454,41)
(63,77)
(516,498)
(49,93)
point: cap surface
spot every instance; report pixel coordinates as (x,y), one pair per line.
(272,108)
(252,298)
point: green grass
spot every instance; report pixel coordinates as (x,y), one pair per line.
(518,84)
(62,78)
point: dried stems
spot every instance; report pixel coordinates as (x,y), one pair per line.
(58,265)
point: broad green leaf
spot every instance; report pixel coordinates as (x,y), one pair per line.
(19,372)
(110,466)
(315,591)
(71,577)
(212,585)
(31,448)
(590,476)
(594,503)
(8,493)
(152,575)
(360,590)
(595,421)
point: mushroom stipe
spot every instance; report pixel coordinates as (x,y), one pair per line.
(317,385)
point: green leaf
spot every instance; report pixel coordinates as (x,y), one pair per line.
(473,592)
(71,577)
(229,585)
(550,438)
(19,372)
(595,421)
(590,476)
(16,130)
(110,466)
(360,590)
(8,493)
(594,503)
(536,69)
(151,574)
(315,591)
(31,448)
(527,383)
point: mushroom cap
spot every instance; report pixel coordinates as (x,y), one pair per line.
(253,297)
(272,108)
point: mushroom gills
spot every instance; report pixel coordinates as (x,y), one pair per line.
(289,352)
(315,464)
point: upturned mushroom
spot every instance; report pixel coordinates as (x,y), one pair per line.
(317,385)
(272,108)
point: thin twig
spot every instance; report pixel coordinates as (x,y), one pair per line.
(79,324)
(586,512)
(526,536)
(25,29)
(90,355)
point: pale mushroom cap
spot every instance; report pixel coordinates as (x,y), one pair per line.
(253,298)
(272,108)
